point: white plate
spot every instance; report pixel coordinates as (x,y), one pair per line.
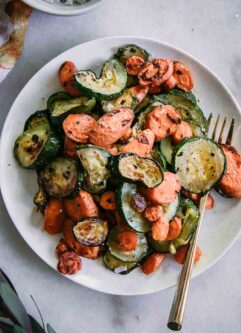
(221,225)
(60,9)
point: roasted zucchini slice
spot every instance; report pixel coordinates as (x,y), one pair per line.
(130,50)
(133,168)
(143,105)
(196,129)
(91,231)
(189,95)
(199,164)
(118,266)
(60,109)
(61,178)
(129,256)
(167,149)
(127,99)
(184,106)
(94,161)
(171,209)
(134,219)
(37,119)
(111,83)
(189,215)
(35,147)
(158,156)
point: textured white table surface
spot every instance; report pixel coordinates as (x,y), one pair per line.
(211,31)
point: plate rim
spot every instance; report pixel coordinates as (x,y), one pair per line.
(119,37)
(49,8)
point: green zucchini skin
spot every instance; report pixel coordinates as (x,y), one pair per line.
(59,109)
(37,119)
(58,96)
(189,214)
(196,128)
(95,180)
(132,218)
(172,208)
(68,184)
(167,149)
(118,266)
(32,153)
(114,167)
(200,189)
(126,99)
(129,256)
(101,94)
(143,105)
(129,50)
(91,231)
(189,95)
(159,157)
(184,106)
(131,81)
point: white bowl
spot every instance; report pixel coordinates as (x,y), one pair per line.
(221,225)
(59,9)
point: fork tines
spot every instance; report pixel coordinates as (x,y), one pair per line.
(230,131)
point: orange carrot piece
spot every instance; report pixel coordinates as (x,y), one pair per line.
(54,217)
(127,240)
(175,227)
(181,254)
(152,263)
(66,71)
(107,201)
(81,206)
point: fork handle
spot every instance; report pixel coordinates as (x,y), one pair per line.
(178,306)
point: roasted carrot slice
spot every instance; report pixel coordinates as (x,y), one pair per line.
(210,202)
(156,72)
(127,135)
(81,206)
(70,88)
(141,145)
(183,131)
(54,216)
(231,181)
(66,71)
(139,92)
(153,213)
(169,84)
(134,64)
(107,201)
(181,254)
(152,263)
(77,127)
(159,229)
(111,127)
(163,121)
(70,148)
(164,193)
(183,76)
(127,240)
(175,227)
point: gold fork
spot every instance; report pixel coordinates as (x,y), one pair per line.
(178,306)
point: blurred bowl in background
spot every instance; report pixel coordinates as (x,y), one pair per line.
(61,9)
